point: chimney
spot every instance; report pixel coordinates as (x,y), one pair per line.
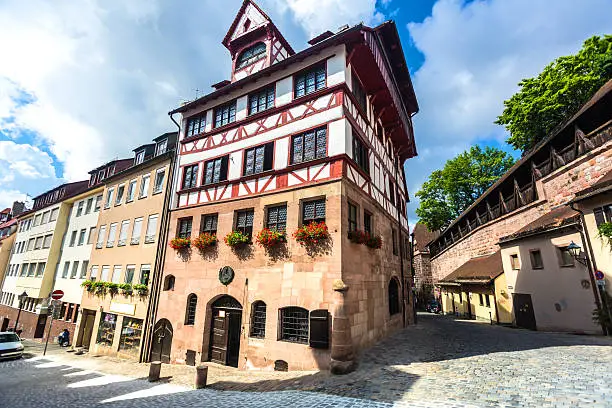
(18,208)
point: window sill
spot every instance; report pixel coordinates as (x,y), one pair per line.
(157,192)
(293,342)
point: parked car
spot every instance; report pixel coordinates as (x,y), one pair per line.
(10,346)
(433,307)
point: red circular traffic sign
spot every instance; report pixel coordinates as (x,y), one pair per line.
(599,275)
(57,294)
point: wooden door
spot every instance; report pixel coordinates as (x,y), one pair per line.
(88,319)
(40,326)
(219,337)
(162,341)
(5,324)
(233,338)
(523,311)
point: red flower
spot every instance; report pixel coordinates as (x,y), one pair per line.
(205,240)
(180,243)
(268,238)
(311,234)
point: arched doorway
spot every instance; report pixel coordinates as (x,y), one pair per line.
(225,331)
(162,341)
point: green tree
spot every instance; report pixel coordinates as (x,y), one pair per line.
(556,93)
(448,192)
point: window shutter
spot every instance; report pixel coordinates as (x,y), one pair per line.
(268,155)
(319,329)
(223,172)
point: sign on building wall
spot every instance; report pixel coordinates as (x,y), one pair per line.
(123,308)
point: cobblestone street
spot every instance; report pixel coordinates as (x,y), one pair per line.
(477,365)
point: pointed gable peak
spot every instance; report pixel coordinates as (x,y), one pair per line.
(249,18)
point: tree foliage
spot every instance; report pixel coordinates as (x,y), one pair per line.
(448,192)
(556,93)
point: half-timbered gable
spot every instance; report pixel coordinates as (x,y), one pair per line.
(318,136)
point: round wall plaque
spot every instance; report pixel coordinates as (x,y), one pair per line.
(226,275)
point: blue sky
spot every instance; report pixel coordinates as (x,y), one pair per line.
(82,83)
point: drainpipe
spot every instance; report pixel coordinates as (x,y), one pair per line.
(156,277)
(401,255)
(591,264)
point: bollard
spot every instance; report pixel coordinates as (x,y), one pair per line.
(201,376)
(154,371)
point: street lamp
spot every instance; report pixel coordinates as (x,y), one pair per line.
(21,298)
(575,251)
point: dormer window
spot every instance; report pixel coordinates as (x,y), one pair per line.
(162,147)
(196,125)
(250,55)
(140,157)
(101,175)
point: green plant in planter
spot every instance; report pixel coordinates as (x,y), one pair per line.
(268,238)
(236,238)
(88,285)
(112,288)
(141,290)
(98,288)
(605,233)
(126,289)
(205,241)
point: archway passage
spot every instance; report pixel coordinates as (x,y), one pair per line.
(162,341)
(225,331)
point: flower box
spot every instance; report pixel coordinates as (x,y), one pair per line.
(141,290)
(312,234)
(268,238)
(236,238)
(205,240)
(126,289)
(365,238)
(180,243)
(88,285)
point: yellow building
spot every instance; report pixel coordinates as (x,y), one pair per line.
(115,297)
(477,290)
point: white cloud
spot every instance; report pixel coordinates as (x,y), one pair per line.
(475,54)
(8,197)
(319,16)
(23,160)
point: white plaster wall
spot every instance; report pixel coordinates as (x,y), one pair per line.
(234,170)
(284,91)
(281,154)
(552,284)
(72,287)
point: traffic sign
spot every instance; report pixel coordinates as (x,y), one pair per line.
(599,275)
(601,283)
(57,294)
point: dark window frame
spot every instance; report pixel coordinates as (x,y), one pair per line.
(316,214)
(224,114)
(190,309)
(274,223)
(532,258)
(316,73)
(294,324)
(353,212)
(196,125)
(190,176)
(169,282)
(361,153)
(367,222)
(267,159)
(223,163)
(258,320)
(394,241)
(256,104)
(214,219)
(393,296)
(359,92)
(184,227)
(300,144)
(251,58)
(246,229)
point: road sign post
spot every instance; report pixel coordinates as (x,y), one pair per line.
(53,306)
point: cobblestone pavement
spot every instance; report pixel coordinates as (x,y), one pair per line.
(438,363)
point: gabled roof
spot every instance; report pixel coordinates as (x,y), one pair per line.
(422,236)
(482,269)
(6,211)
(8,223)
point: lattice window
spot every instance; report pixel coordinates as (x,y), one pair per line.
(277,218)
(184,227)
(309,81)
(216,170)
(244,222)
(313,211)
(258,320)
(309,145)
(195,126)
(360,154)
(294,324)
(250,55)
(261,100)
(352,217)
(225,114)
(209,223)
(192,302)
(258,159)
(190,176)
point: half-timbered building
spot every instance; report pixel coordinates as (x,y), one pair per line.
(291,141)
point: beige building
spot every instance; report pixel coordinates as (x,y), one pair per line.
(115,297)
(550,289)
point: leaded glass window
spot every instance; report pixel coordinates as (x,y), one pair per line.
(258,159)
(277,218)
(225,114)
(244,222)
(190,176)
(261,100)
(209,224)
(309,145)
(309,81)
(196,125)
(313,211)
(250,55)
(258,320)
(192,302)
(215,170)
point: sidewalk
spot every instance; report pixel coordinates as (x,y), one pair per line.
(219,377)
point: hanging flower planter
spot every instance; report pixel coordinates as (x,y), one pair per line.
(365,238)
(88,285)
(236,238)
(268,238)
(204,241)
(180,244)
(373,241)
(98,288)
(141,290)
(126,289)
(312,234)
(112,288)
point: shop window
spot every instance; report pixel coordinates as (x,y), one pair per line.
(169,282)
(131,335)
(394,300)
(192,302)
(258,320)
(294,325)
(106,331)
(319,329)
